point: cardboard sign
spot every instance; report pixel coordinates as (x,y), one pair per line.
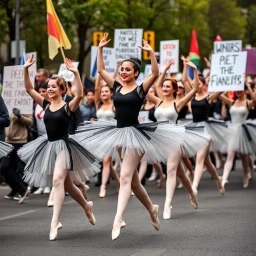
(14,93)
(169,50)
(147,70)
(126,43)
(227,72)
(143,116)
(65,73)
(227,46)
(109,57)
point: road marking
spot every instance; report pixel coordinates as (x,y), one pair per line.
(17,215)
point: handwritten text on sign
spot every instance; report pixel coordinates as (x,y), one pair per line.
(169,50)
(227,72)
(127,42)
(109,58)
(228,46)
(14,93)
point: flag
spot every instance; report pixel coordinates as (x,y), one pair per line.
(218,38)
(23,58)
(57,36)
(194,54)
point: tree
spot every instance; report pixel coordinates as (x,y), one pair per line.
(226,19)
(251,26)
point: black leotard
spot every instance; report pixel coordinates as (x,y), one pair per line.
(127,105)
(56,123)
(200,109)
(182,114)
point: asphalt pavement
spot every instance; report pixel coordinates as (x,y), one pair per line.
(221,226)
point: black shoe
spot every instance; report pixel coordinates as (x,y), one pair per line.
(11,195)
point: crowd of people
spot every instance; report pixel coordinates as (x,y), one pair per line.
(74,135)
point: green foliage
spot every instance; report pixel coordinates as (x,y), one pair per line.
(251,26)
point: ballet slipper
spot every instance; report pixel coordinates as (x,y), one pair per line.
(220,187)
(89,213)
(118,224)
(155,219)
(193,199)
(246,181)
(167,214)
(54,231)
(102,193)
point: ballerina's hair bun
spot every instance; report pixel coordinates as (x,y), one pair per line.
(136,65)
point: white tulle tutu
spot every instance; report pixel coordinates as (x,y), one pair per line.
(40,156)
(242,137)
(217,130)
(155,141)
(5,149)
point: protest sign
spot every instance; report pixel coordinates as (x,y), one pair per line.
(228,46)
(147,70)
(14,93)
(109,58)
(126,43)
(65,73)
(227,72)
(143,116)
(169,50)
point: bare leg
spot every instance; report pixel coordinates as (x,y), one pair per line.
(250,162)
(227,167)
(143,169)
(217,159)
(114,175)
(77,180)
(172,165)
(244,159)
(159,170)
(188,165)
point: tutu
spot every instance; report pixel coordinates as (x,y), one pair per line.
(216,129)
(194,140)
(5,149)
(154,140)
(40,156)
(242,138)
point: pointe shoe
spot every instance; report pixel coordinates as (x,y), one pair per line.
(47,190)
(90,215)
(132,194)
(116,233)
(224,182)
(50,203)
(220,187)
(153,176)
(102,193)
(156,223)
(84,189)
(39,191)
(54,232)
(246,181)
(167,213)
(193,199)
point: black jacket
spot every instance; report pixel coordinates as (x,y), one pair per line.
(4,118)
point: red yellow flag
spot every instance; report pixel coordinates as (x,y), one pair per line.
(57,36)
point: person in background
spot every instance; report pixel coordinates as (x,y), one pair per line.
(88,108)
(42,76)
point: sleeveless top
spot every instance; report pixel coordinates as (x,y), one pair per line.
(183,112)
(56,122)
(102,114)
(166,114)
(200,109)
(239,114)
(151,113)
(128,105)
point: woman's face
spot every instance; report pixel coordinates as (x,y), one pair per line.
(201,86)
(105,93)
(167,88)
(127,72)
(43,92)
(151,90)
(53,89)
(181,89)
(239,93)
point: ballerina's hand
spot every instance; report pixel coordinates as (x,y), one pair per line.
(70,65)
(146,47)
(104,41)
(170,62)
(30,61)
(191,64)
(207,62)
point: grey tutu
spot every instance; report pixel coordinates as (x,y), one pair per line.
(155,141)
(40,156)
(242,137)
(5,149)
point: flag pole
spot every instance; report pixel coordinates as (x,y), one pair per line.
(62,53)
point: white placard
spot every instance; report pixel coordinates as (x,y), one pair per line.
(227,72)
(65,73)
(147,70)
(28,54)
(109,58)
(169,50)
(126,43)
(14,93)
(227,46)
(143,116)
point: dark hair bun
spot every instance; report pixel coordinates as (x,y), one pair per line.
(137,60)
